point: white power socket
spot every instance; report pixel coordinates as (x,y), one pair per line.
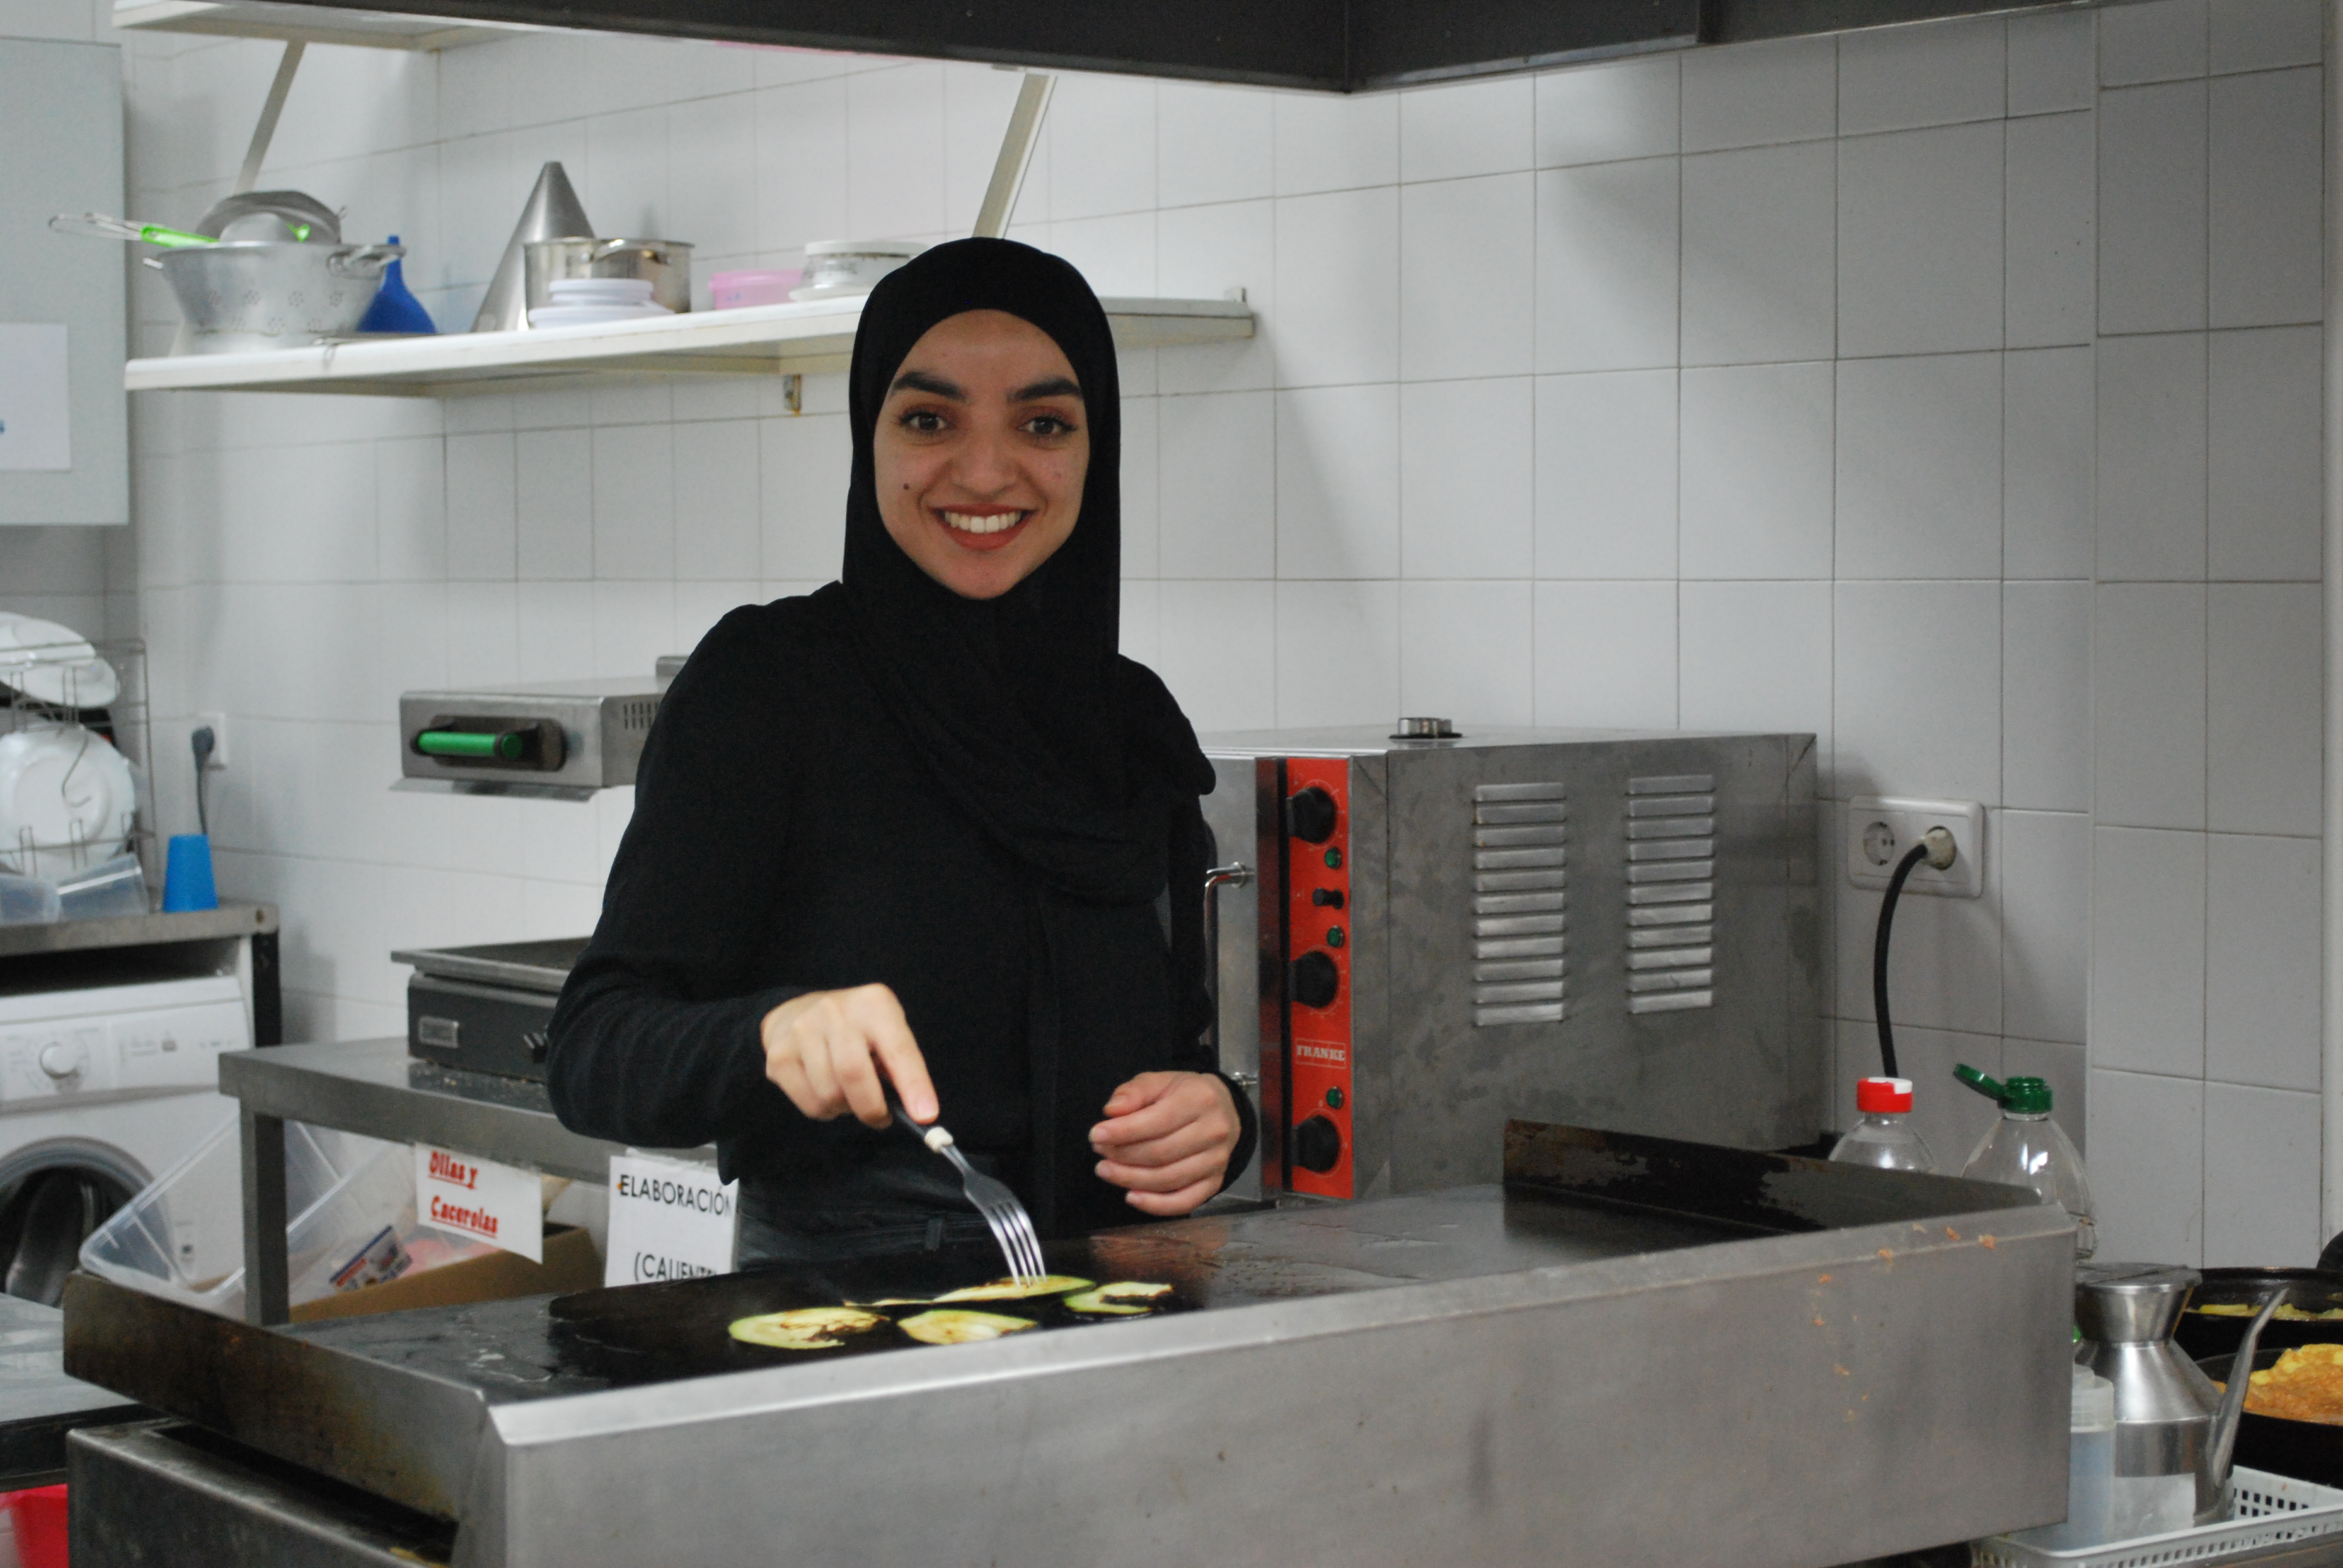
(1880,829)
(218,721)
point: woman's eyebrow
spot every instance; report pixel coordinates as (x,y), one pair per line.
(921,381)
(1049,386)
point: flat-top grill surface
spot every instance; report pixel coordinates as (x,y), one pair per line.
(548,1346)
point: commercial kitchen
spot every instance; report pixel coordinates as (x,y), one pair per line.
(1748,982)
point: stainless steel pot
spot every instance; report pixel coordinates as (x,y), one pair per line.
(236,298)
(666,262)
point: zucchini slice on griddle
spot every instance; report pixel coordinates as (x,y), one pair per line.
(805,1328)
(950,1326)
(1124,1298)
(1011,1290)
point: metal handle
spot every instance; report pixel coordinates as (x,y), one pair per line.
(657,251)
(363,260)
(1235,874)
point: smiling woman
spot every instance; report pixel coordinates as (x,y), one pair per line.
(925,830)
(982,451)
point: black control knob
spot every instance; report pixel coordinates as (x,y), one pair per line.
(1309,815)
(1317,1145)
(1327,898)
(1314,980)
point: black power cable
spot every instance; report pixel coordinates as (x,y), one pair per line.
(202,743)
(1911,857)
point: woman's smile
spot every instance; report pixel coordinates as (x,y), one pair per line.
(983,528)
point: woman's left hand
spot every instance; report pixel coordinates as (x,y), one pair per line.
(1167,1137)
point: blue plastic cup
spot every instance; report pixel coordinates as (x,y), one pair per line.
(187,874)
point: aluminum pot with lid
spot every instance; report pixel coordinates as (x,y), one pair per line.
(238,297)
(665,263)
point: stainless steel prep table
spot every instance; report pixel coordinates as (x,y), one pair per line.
(1637,1352)
(374,1087)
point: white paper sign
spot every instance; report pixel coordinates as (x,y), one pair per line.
(36,412)
(503,1205)
(669,1220)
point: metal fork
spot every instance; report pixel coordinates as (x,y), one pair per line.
(1003,1213)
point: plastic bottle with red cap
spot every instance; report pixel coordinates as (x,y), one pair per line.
(1883,1134)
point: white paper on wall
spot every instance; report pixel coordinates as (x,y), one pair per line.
(36,412)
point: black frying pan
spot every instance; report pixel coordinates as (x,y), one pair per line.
(2306,1449)
(2312,1290)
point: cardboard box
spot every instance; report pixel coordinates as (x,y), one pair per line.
(571,1263)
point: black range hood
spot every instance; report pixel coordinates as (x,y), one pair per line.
(1335,46)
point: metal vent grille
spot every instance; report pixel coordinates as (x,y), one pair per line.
(1671,892)
(1521,877)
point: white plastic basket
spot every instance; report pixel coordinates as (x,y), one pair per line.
(2271,1510)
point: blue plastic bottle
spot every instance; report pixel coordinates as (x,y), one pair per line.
(393,309)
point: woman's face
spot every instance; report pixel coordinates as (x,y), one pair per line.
(981,452)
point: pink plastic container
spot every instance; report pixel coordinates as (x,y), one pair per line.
(732,290)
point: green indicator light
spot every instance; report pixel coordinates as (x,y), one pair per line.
(1334,937)
(1334,860)
(1334,1099)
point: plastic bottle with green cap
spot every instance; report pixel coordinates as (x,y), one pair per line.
(2027,1149)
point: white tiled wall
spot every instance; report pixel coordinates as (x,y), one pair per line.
(1952,392)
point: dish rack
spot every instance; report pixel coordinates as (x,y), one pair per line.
(56,688)
(2270,1509)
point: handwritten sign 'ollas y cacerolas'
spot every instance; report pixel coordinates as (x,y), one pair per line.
(480,1199)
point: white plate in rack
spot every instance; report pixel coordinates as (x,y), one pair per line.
(70,793)
(54,664)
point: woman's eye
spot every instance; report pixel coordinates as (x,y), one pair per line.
(926,421)
(1049,424)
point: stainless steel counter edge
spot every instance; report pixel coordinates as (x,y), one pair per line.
(1746,1403)
(230,919)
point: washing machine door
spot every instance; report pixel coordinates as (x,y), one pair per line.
(52,1194)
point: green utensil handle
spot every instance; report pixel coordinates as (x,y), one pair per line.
(171,238)
(502,746)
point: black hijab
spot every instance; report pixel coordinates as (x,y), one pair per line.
(1073,758)
(1067,752)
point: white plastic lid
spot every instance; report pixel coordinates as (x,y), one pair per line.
(2095,1401)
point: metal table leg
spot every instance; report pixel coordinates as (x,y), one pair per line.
(266,1290)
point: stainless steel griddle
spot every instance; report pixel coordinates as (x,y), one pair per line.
(1634,1351)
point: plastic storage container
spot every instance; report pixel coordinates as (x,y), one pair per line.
(1883,1134)
(183,1237)
(2090,1470)
(738,289)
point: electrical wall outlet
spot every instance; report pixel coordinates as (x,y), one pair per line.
(1881,829)
(218,722)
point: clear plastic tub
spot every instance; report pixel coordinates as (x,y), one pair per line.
(183,1237)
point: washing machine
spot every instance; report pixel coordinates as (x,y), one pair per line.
(104,1085)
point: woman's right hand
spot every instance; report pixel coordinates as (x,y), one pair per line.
(827,1049)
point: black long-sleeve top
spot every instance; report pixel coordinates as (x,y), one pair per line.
(787,839)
